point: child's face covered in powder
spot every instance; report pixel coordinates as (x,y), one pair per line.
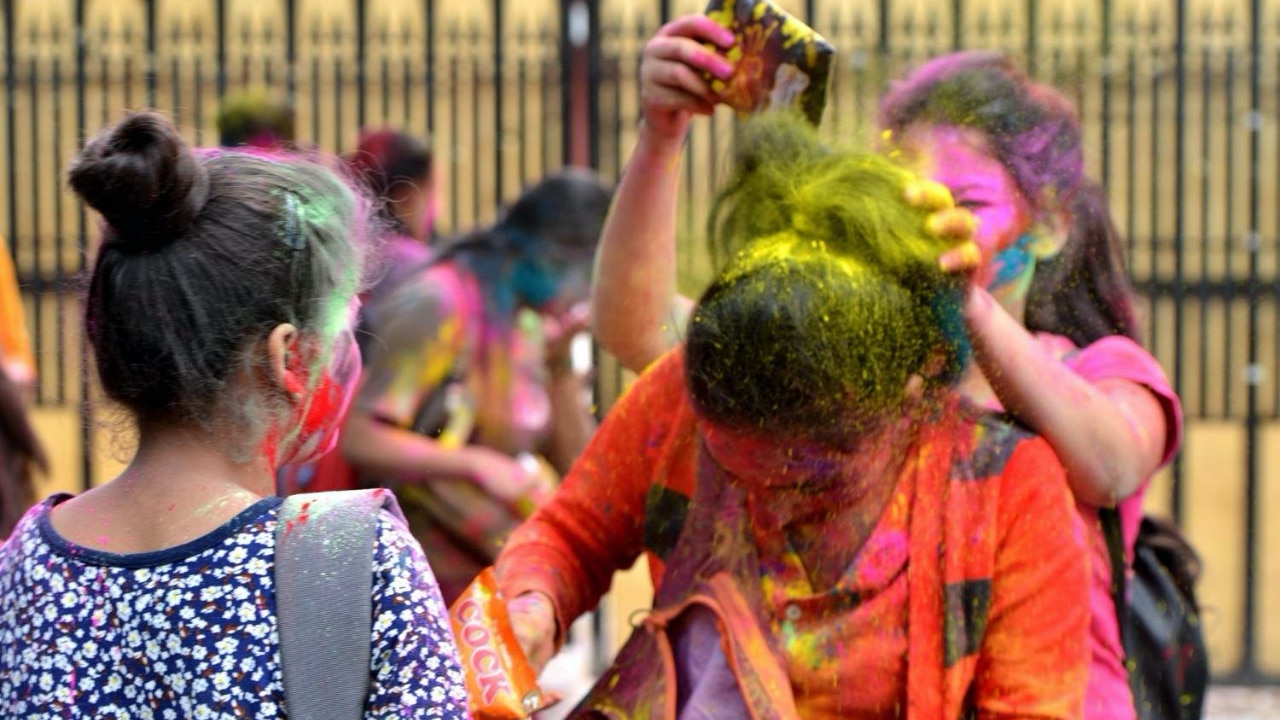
(958,159)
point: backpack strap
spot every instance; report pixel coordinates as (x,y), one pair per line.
(324,599)
(1111,531)
(1115,550)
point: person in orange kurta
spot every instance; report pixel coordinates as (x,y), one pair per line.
(833,532)
(16,357)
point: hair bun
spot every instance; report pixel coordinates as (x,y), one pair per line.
(143,179)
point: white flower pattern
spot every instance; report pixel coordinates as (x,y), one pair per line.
(190,632)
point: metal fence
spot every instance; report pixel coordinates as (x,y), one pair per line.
(1179,99)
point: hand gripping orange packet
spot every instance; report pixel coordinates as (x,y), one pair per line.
(500,681)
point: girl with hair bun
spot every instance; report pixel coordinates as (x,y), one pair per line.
(831,530)
(219,312)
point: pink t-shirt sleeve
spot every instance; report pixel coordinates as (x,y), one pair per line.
(1120,358)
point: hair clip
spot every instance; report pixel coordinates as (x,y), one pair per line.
(293,223)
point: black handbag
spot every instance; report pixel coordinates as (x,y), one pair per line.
(1160,623)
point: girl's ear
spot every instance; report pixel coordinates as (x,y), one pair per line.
(282,347)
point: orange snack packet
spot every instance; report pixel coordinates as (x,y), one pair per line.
(500,681)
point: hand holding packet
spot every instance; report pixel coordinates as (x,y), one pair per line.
(500,681)
(779,61)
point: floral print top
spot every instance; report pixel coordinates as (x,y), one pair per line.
(190,631)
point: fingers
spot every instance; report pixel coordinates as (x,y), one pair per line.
(533,620)
(691,53)
(675,72)
(657,98)
(678,66)
(965,258)
(928,195)
(700,28)
(952,223)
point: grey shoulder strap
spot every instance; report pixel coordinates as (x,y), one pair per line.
(324,600)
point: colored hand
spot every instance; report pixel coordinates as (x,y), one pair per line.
(673,69)
(508,479)
(559,332)
(533,618)
(948,222)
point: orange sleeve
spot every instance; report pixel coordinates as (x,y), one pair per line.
(1034,661)
(15,344)
(593,525)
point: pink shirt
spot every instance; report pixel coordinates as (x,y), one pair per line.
(1115,357)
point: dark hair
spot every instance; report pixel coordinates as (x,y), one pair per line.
(566,210)
(1034,132)
(563,215)
(832,298)
(202,255)
(255,120)
(1031,128)
(1084,291)
(385,159)
(560,218)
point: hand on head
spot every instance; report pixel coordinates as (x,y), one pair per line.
(946,221)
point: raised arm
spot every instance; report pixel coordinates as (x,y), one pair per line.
(636,311)
(1113,421)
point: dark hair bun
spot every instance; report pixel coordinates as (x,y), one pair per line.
(144,180)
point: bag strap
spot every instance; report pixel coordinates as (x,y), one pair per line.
(1111,530)
(324,599)
(1115,550)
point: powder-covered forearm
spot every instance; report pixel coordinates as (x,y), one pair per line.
(636,312)
(1110,436)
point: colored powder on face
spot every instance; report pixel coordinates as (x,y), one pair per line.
(318,429)
(1012,265)
(315,429)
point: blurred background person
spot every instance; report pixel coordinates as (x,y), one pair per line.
(256,119)
(469,391)
(398,168)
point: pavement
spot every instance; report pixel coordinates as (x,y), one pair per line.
(1242,703)
(570,675)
